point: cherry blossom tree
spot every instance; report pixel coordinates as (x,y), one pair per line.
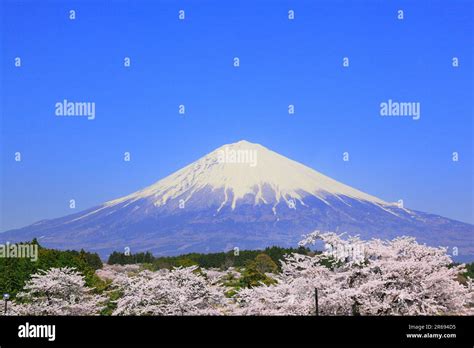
(57,291)
(214,275)
(355,277)
(111,272)
(294,292)
(181,291)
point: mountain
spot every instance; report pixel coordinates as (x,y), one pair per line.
(240,195)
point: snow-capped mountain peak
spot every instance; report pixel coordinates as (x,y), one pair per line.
(245,169)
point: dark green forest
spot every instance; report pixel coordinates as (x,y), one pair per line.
(222,260)
(14,272)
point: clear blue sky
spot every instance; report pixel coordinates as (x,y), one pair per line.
(190,62)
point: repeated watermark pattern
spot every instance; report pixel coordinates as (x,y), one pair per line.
(238,156)
(22,251)
(401,109)
(72,109)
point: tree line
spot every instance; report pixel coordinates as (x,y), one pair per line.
(222,260)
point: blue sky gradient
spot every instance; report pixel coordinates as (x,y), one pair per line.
(190,62)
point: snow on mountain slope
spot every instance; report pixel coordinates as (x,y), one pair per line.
(241,169)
